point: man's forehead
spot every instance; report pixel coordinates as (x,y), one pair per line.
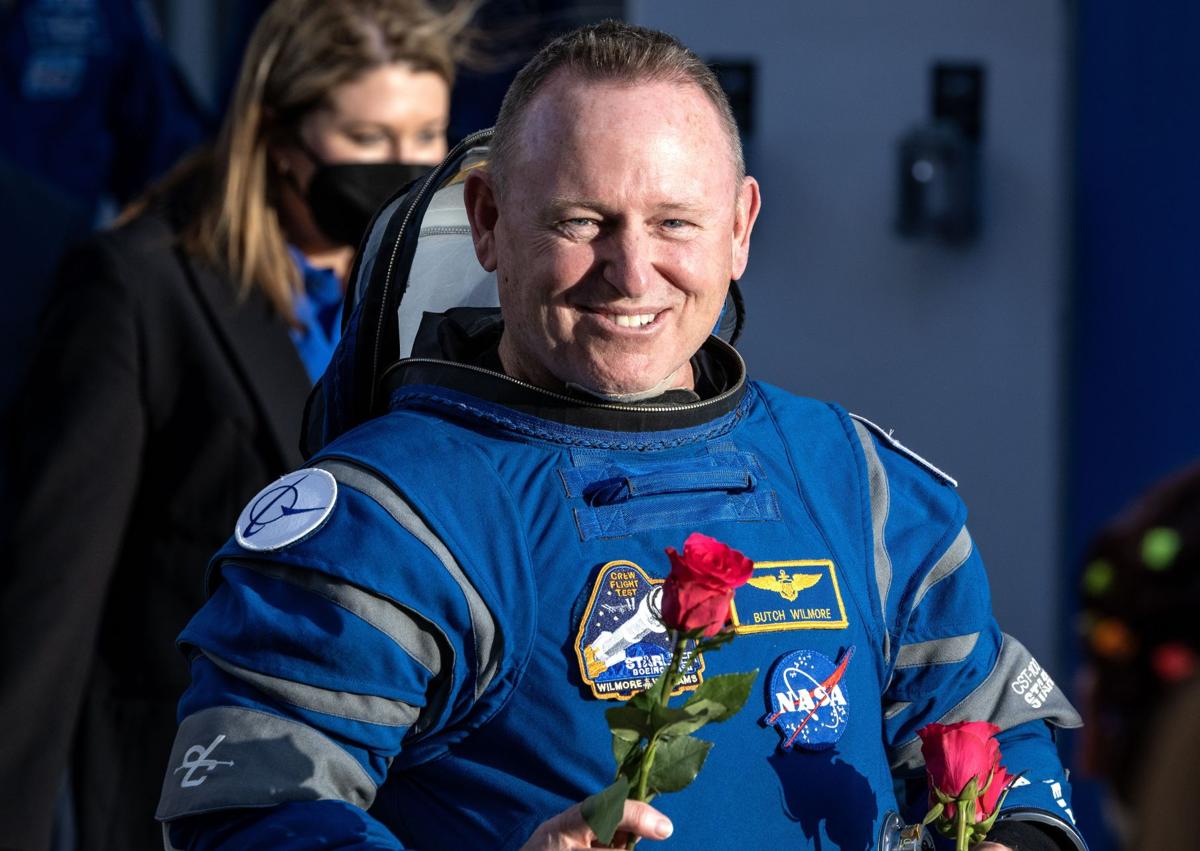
(560,95)
(571,112)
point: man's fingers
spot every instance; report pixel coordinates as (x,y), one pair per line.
(641,819)
(569,831)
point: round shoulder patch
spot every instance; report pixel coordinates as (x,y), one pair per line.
(290,509)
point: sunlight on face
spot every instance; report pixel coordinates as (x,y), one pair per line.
(390,113)
(618,236)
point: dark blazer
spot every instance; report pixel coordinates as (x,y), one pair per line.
(157,405)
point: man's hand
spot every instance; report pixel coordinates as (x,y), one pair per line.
(568,831)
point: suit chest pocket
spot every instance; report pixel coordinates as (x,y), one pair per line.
(613,499)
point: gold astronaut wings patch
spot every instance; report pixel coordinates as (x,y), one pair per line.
(783,595)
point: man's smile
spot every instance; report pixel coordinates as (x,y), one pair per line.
(625,321)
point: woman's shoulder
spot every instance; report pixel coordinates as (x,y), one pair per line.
(141,257)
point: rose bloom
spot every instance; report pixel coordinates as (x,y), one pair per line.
(699,588)
(955,753)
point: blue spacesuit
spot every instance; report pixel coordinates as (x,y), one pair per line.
(430,621)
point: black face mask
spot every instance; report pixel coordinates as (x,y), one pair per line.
(344,196)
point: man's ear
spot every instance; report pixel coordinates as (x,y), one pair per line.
(745,213)
(482,212)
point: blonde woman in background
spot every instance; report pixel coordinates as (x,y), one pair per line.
(174,363)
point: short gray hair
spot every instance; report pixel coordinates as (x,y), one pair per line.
(610,51)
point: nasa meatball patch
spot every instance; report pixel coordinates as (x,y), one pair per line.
(806,699)
(622,645)
(287,511)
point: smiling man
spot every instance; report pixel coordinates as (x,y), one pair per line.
(466,583)
(615,219)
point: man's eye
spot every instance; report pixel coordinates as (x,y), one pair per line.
(579,226)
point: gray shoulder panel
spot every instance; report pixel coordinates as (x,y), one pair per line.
(1015,691)
(229,757)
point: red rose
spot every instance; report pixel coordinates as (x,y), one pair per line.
(699,588)
(991,796)
(955,753)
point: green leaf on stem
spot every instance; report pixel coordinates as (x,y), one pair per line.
(631,765)
(628,722)
(935,812)
(642,700)
(604,810)
(729,690)
(669,722)
(677,763)
(622,748)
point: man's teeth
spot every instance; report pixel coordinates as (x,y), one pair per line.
(635,320)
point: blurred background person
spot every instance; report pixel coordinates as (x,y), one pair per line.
(173,366)
(94,103)
(94,109)
(1141,590)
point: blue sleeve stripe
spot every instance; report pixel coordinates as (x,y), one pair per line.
(364,708)
(229,757)
(417,636)
(488,641)
(880,505)
(956,556)
(939,651)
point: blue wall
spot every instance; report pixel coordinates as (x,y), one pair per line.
(1136,363)
(1135,369)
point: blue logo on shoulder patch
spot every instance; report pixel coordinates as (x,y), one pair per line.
(806,700)
(622,645)
(289,510)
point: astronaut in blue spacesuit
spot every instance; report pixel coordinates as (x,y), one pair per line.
(412,642)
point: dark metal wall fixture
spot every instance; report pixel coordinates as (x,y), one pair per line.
(939,161)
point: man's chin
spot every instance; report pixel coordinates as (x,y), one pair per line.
(633,389)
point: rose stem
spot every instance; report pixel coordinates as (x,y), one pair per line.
(648,760)
(960,823)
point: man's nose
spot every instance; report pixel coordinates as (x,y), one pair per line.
(629,262)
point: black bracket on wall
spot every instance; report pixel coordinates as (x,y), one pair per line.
(939,161)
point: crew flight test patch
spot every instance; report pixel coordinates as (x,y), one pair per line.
(622,645)
(783,595)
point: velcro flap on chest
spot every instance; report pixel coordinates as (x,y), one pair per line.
(618,498)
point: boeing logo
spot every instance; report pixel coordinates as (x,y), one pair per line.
(274,504)
(287,510)
(195,759)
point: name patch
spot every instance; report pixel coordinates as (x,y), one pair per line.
(622,645)
(784,595)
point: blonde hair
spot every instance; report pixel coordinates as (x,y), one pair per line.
(300,51)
